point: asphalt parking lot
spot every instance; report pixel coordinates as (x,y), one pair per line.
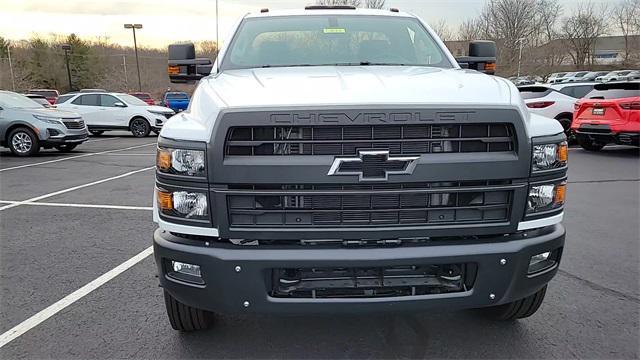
(67,219)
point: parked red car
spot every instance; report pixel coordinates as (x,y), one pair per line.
(50,94)
(146,97)
(608,114)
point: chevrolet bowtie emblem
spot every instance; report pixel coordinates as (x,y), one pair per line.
(374,165)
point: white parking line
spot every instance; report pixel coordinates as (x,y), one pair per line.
(98,140)
(55,308)
(76,157)
(41,197)
(91,206)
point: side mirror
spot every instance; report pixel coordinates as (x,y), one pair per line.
(119,104)
(184,67)
(482,57)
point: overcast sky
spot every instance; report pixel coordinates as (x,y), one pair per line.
(166,21)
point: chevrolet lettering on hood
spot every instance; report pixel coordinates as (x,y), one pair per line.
(367,117)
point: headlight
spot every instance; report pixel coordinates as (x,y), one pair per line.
(546,197)
(549,156)
(49,119)
(181,162)
(184,204)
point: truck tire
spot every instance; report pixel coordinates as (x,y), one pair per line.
(589,144)
(140,127)
(518,309)
(185,318)
(23,142)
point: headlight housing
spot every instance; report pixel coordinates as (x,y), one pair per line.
(549,156)
(183,204)
(49,119)
(546,197)
(185,162)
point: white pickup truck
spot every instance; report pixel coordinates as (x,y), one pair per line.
(334,159)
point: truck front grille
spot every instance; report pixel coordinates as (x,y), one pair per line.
(391,281)
(470,202)
(347,140)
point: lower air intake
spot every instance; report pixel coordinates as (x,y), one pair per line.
(393,281)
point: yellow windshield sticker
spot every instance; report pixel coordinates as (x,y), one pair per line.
(334,31)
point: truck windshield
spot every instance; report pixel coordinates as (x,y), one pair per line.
(322,40)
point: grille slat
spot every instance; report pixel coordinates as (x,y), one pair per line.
(370,205)
(73,125)
(347,140)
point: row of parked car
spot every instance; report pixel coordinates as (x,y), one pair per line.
(579,76)
(593,114)
(29,122)
(175,100)
(597,76)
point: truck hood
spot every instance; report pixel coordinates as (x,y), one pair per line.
(357,85)
(342,85)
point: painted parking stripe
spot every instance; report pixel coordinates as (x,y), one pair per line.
(41,197)
(58,306)
(90,206)
(76,157)
(98,140)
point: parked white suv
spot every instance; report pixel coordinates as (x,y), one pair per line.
(555,101)
(104,111)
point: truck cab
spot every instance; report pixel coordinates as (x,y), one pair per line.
(336,159)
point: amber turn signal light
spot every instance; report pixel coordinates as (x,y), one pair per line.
(165,200)
(563,153)
(560,193)
(163,159)
(173,70)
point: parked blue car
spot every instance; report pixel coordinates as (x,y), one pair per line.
(176,101)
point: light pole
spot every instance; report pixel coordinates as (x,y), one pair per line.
(520,56)
(13,81)
(67,48)
(135,46)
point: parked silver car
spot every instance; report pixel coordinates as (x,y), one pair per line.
(26,126)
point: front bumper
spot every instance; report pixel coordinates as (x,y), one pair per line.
(228,290)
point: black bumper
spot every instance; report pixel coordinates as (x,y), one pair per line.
(70,139)
(604,134)
(227,290)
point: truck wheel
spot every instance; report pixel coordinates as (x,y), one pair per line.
(140,127)
(185,318)
(518,309)
(23,142)
(589,144)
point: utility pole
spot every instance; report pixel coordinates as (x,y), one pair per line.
(13,81)
(67,48)
(124,65)
(520,56)
(135,46)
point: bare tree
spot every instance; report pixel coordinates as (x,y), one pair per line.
(625,18)
(470,29)
(375,4)
(356,3)
(582,30)
(441,27)
(512,24)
